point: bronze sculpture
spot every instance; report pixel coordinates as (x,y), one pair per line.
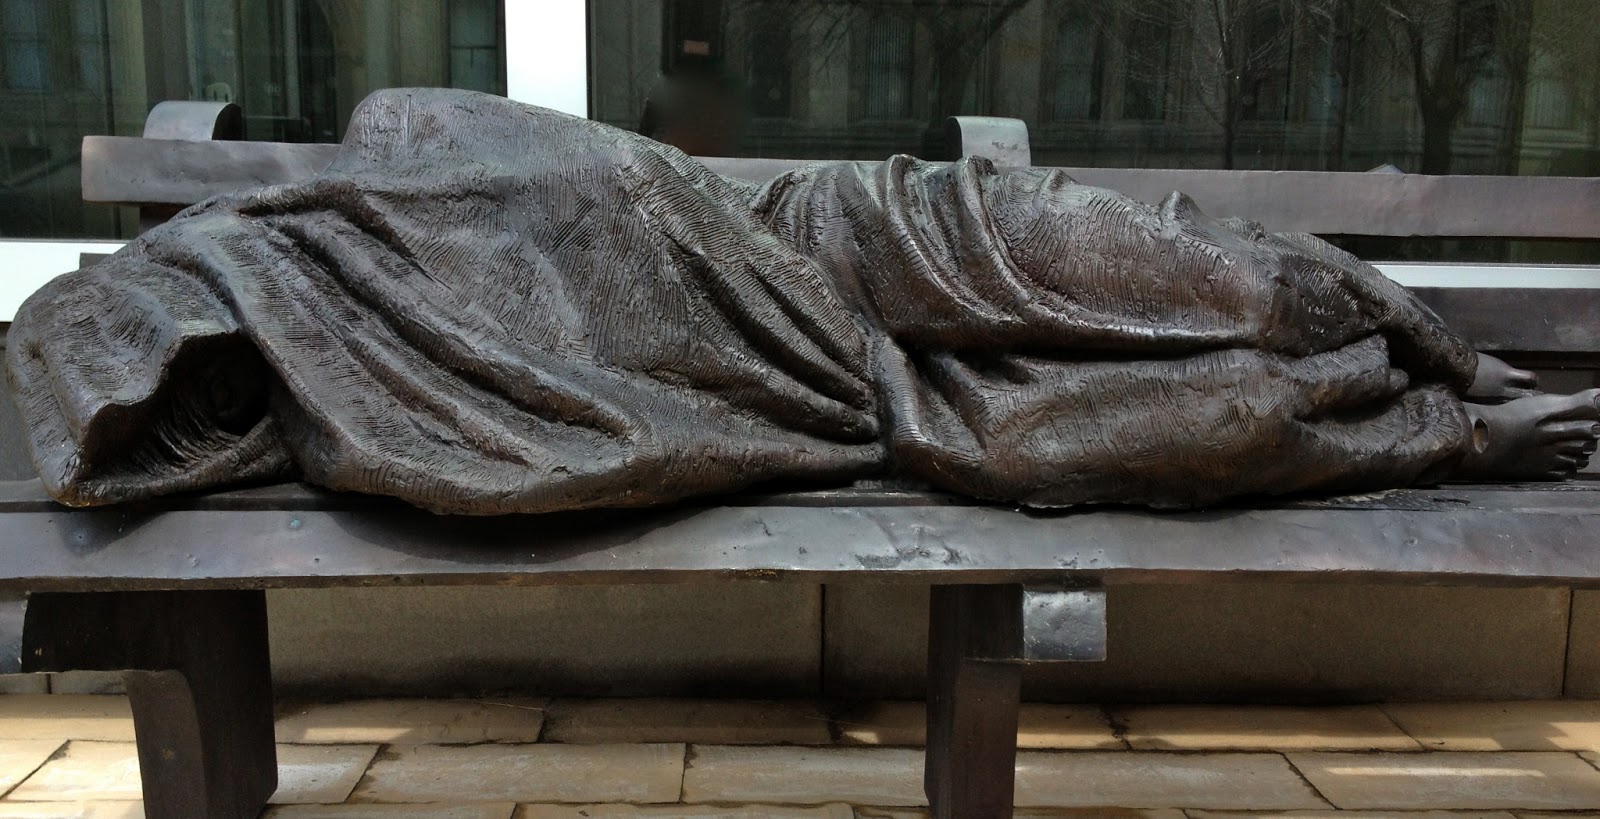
(484,307)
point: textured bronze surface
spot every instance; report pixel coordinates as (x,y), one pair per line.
(293,537)
(484,307)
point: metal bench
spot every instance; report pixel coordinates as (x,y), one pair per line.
(172,593)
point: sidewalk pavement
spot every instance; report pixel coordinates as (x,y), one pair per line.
(73,756)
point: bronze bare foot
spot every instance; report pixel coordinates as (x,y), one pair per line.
(1539,438)
(1497,382)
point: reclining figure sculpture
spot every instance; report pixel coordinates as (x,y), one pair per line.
(486,307)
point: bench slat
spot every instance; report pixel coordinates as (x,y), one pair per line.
(1579,495)
(130,170)
(1454,535)
(1376,204)
(137,171)
(1521,320)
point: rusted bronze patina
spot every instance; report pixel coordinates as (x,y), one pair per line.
(484,307)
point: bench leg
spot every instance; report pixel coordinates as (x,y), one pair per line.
(974,692)
(199,678)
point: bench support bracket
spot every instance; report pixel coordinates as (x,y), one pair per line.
(979,638)
(974,691)
(198,675)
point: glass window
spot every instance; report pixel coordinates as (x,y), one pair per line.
(1146,67)
(1324,93)
(89,44)
(1074,60)
(1265,47)
(769,64)
(887,67)
(475,45)
(1550,94)
(69,68)
(27,62)
(1429,86)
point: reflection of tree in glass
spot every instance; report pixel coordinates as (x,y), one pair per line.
(1448,47)
(1435,86)
(1234,69)
(1470,62)
(956,34)
(1460,62)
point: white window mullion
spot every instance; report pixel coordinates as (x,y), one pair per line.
(547,54)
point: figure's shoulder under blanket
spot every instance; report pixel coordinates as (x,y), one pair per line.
(481,306)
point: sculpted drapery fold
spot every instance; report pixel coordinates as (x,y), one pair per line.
(487,307)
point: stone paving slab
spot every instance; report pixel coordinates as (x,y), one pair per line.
(485,810)
(525,773)
(24,684)
(71,810)
(1261,728)
(684,812)
(1219,763)
(1064,813)
(711,722)
(109,771)
(1455,781)
(413,722)
(320,774)
(85,771)
(1536,725)
(1066,727)
(804,776)
(1135,779)
(20,758)
(66,716)
(1352,814)
(893,777)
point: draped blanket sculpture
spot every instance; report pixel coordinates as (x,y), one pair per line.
(486,307)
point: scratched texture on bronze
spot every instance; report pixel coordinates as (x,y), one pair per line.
(485,307)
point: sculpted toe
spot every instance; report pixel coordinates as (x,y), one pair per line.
(1498,382)
(1561,431)
(1581,406)
(1588,403)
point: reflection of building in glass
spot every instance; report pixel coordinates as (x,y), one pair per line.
(1463,86)
(297,67)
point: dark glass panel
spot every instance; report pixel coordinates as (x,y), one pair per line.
(69,68)
(1427,86)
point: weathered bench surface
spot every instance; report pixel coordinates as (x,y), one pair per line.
(295,536)
(182,172)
